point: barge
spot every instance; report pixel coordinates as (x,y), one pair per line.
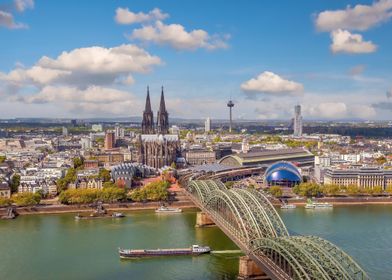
(195,250)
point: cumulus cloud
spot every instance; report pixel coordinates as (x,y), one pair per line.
(81,80)
(22,5)
(345,42)
(154,30)
(271,83)
(7,17)
(328,110)
(7,20)
(125,16)
(359,17)
(85,66)
(176,36)
(92,94)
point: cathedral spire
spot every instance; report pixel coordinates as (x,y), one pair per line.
(148,116)
(163,116)
(148,102)
(162,105)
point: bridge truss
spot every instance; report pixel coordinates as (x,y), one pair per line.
(250,220)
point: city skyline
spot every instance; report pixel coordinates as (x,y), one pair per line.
(98,62)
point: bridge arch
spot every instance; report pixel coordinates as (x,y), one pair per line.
(308,257)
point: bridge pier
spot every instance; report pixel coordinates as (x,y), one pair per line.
(249,270)
(203,220)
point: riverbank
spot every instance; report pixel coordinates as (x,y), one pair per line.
(344,201)
(182,201)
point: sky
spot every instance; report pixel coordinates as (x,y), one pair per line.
(84,59)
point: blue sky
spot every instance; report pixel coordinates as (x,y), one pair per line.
(93,59)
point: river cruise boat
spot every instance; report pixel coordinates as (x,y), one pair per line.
(317,205)
(288,206)
(195,250)
(164,209)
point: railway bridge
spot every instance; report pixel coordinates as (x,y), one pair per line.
(248,218)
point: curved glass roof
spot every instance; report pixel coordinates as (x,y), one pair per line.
(282,171)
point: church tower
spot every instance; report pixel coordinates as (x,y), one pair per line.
(163,117)
(148,117)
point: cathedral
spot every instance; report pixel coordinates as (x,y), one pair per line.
(157,148)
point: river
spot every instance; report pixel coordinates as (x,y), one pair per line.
(58,247)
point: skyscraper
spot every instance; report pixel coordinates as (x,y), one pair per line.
(230,104)
(297,121)
(110,140)
(163,117)
(207,125)
(148,116)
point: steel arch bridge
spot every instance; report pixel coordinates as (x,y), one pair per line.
(249,219)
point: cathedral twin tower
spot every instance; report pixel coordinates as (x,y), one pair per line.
(162,124)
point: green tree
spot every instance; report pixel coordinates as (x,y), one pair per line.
(352,190)
(173,165)
(308,189)
(15,182)
(62,183)
(389,189)
(154,191)
(381,160)
(26,199)
(5,202)
(78,163)
(229,184)
(331,190)
(276,191)
(109,184)
(104,174)
(2,159)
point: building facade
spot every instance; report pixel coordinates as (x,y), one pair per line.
(156,148)
(297,121)
(200,156)
(110,140)
(364,177)
(207,125)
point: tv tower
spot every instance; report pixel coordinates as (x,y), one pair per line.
(230,104)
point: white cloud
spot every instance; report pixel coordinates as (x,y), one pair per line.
(22,5)
(389,93)
(125,16)
(360,17)
(85,66)
(93,94)
(176,36)
(268,82)
(7,20)
(345,42)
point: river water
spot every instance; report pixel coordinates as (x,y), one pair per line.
(58,247)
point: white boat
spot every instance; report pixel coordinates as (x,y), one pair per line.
(164,209)
(288,206)
(118,215)
(317,205)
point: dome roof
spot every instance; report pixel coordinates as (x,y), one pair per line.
(283,171)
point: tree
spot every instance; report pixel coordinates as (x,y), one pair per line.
(352,190)
(62,183)
(154,191)
(331,190)
(173,165)
(109,184)
(4,202)
(104,174)
(229,184)
(308,189)
(26,199)
(276,191)
(381,160)
(15,182)
(389,189)
(2,159)
(78,162)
